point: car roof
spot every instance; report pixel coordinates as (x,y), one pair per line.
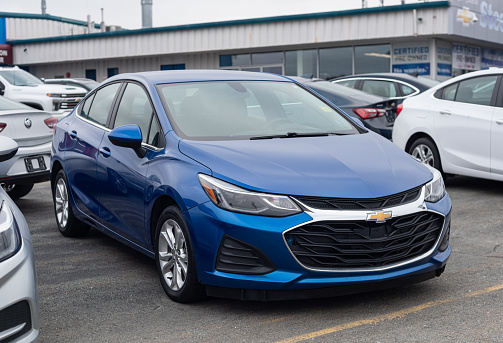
(195,75)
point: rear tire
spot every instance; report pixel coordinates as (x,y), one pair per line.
(426,151)
(68,224)
(19,191)
(174,257)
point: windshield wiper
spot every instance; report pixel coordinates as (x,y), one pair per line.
(295,135)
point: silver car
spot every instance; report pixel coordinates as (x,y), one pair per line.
(32,130)
(19,317)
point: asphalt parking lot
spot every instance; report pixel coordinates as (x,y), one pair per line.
(94,289)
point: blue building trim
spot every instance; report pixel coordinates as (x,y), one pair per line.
(3,31)
(373,10)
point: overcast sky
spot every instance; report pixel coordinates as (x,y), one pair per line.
(127,13)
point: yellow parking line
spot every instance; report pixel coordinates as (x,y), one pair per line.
(389,316)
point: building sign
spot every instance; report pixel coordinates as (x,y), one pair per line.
(478,19)
(444,59)
(491,58)
(5,54)
(465,57)
(410,58)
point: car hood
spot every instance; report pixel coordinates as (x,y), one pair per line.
(53,89)
(353,166)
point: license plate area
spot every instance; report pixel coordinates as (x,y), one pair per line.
(34,164)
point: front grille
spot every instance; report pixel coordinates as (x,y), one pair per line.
(68,105)
(361,204)
(235,256)
(15,316)
(361,244)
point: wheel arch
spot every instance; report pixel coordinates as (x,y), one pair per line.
(160,204)
(419,135)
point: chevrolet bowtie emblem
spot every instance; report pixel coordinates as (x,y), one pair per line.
(379,217)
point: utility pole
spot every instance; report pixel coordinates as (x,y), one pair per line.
(44,7)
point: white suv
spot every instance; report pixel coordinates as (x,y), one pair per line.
(17,84)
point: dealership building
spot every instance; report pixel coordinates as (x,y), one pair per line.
(437,39)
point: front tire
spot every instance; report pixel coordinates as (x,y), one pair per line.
(68,224)
(426,151)
(174,256)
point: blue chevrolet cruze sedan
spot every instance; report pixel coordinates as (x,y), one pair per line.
(248,186)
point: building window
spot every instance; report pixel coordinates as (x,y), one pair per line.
(235,60)
(112,71)
(91,74)
(267,58)
(173,66)
(372,59)
(336,62)
(301,63)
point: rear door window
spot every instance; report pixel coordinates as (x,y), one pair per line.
(101,104)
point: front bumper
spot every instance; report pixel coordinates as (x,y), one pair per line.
(19,319)
(290,279)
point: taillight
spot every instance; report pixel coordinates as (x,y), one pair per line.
(367,113)
(51,122)
(399,109)
(2,126)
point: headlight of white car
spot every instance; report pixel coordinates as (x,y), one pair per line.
(237,199)
(10,241)
(435,189)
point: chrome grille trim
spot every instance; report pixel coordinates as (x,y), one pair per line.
(351,215)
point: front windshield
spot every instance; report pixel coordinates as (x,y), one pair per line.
(249,110)
(19,77)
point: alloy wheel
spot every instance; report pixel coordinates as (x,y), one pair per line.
(62,206)
(173,255)
(423,153)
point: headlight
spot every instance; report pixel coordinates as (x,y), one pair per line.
(237,199)
(435,189)
(53,95)
(10,241)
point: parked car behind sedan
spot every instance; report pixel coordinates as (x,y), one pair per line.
(246,185)
(388,85)
(375,112)
(87,84)
(457,126)
(19,316)
(32,131)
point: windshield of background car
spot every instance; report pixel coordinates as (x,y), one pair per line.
(8,105)
(232,110)
(19,77)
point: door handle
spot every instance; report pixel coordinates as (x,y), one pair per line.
(445,112)
(105,152)
(499,121)
(73,134)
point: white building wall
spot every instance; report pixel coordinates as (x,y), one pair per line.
(125,65)
(24,28)
(278,35)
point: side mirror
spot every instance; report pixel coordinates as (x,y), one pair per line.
(128,136)
(8,148)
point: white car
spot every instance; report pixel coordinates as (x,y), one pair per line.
(32,131)
(19,85)
(457,126)
(19,313)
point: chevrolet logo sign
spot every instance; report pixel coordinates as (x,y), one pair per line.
(379,217)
